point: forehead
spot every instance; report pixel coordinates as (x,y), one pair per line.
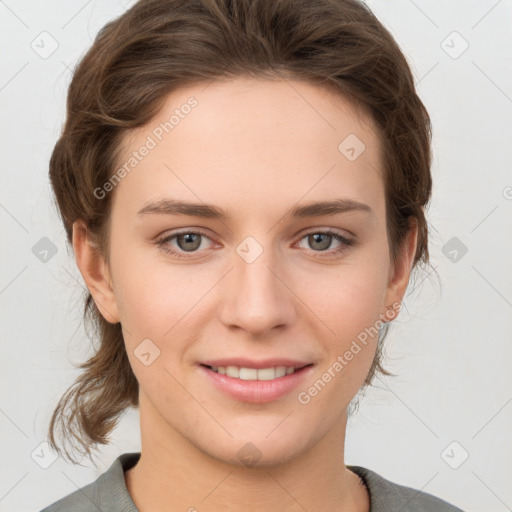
(253,141)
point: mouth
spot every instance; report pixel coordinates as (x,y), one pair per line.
(248,373)
(264,384)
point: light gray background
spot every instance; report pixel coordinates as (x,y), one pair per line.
(451,348)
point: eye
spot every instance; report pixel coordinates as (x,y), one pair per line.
(320,242)
(181,243)
(185,242)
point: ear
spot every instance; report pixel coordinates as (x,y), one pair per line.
(95,271)
(400,272)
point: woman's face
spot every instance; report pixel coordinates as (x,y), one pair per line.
(260,286)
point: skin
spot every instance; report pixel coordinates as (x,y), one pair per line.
(255,148)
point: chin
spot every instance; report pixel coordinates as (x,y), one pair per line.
(257,448)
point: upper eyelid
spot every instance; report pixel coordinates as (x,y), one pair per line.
(196,231)
(337,231)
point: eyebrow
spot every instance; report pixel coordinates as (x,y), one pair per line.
(209,211)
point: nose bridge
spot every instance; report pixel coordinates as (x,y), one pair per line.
(256,300)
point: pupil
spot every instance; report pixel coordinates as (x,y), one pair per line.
(317,237)
(189,237)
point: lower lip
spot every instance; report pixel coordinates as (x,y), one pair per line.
(257,391)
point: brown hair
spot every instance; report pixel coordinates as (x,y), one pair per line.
(156,46)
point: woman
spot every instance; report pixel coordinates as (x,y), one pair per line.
(244,186)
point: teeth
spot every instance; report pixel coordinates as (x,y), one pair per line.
(254,373)
(233,371)
(248,373)
(281,371)
(266,374)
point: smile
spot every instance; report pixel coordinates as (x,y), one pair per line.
(239,372)
(256,385)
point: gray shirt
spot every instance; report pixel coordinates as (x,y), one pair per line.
(108,493)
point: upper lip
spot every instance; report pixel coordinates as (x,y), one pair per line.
(250,363)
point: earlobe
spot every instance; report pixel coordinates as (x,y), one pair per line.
(95,272)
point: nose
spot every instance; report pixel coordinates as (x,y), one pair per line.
(256,297)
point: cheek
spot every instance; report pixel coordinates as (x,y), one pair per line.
(349,298)
(347,305)
(346,322)
(154,297)
(157,303)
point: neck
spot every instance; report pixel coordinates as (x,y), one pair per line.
(173,474)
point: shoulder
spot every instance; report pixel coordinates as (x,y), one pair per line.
(107,492)
(386,495)
(85,499)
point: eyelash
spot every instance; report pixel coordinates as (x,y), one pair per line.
(163,243)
